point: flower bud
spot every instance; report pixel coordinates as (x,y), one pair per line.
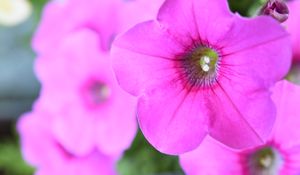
(277,9)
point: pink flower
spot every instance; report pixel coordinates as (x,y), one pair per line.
(79,88)
(200,69)
(279,156)
(293,27)
(106,17)
(42,150)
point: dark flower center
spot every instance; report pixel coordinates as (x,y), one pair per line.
(264,158)
(264,161)
(99,92)
(200,66)
(95,93)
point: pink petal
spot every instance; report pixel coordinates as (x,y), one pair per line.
(118,118)
(291,165)
(131,60)
(287,99)
(242,113)
(72,125)
(293,25)
(76,14)
(172,119)
(246,72)
(36,138)
(255,48)
(211,158)
(94,164)
(116,129)
(207,20)
(91,164)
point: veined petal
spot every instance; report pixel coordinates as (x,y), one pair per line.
(287,99)
(194,19)
(211,158)
(150,56)
(172,119)
(242,112)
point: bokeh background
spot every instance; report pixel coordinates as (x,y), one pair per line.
(19,88)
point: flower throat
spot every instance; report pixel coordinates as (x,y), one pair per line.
(200,66)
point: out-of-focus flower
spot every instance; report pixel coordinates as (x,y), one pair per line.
(13,12)
(279,156)
(79,87)
(278,9)
(200,69)
(44,151)
(90,111)
(106,17)
(293,27)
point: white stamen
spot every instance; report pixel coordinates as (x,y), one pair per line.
(205,67)
(206,59)
(266,161)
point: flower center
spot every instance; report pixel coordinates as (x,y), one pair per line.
(207,59)
(264,158)
(264,161)
(99,92)
(200,66)
(95,93)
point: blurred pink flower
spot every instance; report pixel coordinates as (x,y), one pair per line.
(106,17)
(279,156)
(200,69)
(79,88)
(42,150)
(293,27)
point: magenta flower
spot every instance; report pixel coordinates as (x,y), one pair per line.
(200,69)
(106,17)
(293,25)
(42,150)
(279,156)
(79,88)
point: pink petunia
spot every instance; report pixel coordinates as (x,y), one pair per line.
(293,27)
(78,86)
(42,150)
(279,156)
(198,69)
(106,17)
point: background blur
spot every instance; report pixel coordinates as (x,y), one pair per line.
(19,88)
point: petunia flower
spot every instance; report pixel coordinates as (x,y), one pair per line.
(106,17)
(279,156)
(44,152)
(78,86)
(293,25)
(198,69)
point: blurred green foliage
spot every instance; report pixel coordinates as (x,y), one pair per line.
(141,158)
(11,162)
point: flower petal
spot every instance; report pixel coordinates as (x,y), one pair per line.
(293,24)
(71,125)
(257,47)
(119,120)
(242,112)
(207,20)
(147,60)
(211,158)
(36,138)
(172,119)
(287,99)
